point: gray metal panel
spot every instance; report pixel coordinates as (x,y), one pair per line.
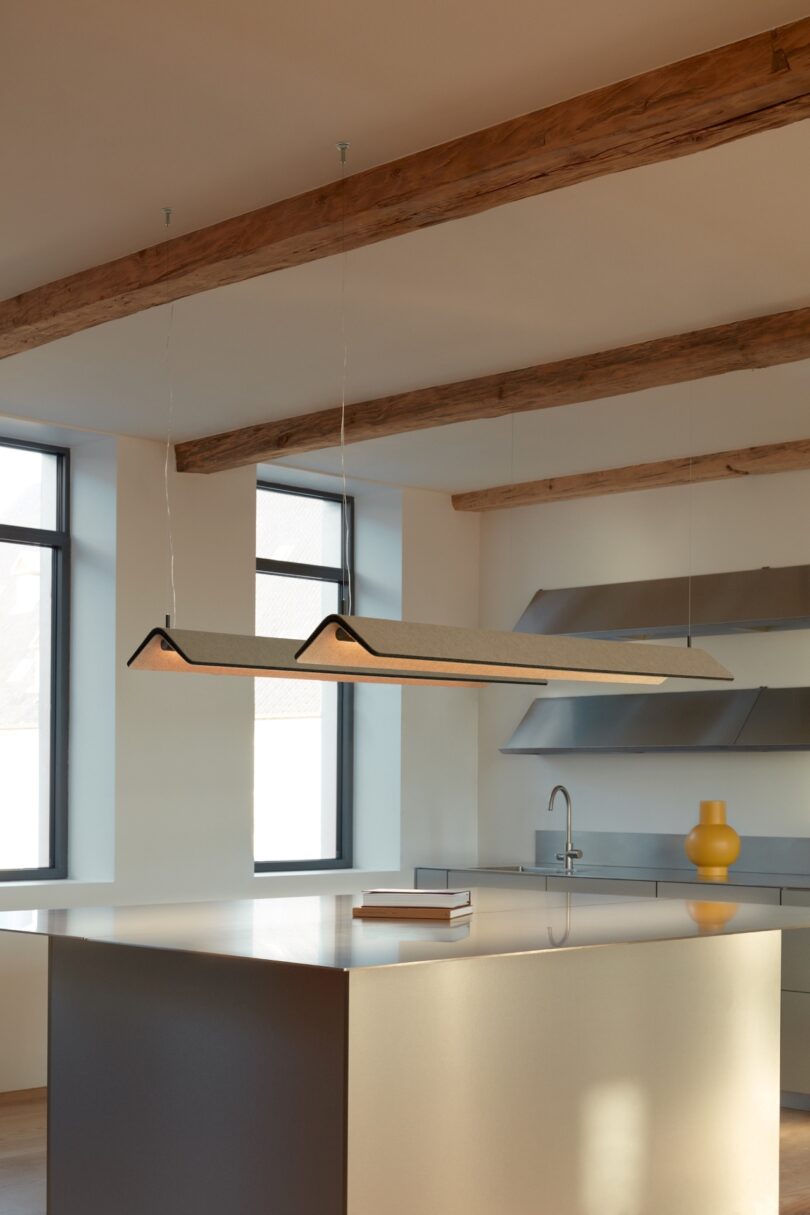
(707,891)
(796,898)
(186,1082)
(796,962)
(663,721)
(759,854)
(430,879)
(779,721)
(794,1101)
(795,1040)
(474,877)
(614,886)
(741,601)
(644,849)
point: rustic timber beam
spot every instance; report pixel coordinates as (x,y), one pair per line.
(715,97)
(686,470)
(763,341)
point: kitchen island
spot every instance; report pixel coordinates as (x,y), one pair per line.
(570,1054)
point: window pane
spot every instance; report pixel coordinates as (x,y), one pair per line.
(27,487)
(295,744)
(290,527)
(25,705)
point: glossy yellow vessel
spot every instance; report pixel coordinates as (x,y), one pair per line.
(712,845)
(711,915)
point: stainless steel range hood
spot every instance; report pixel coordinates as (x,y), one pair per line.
(755,719)
(758,600)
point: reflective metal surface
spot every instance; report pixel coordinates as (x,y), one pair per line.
(319,931)
(796,881)
(776,858)
(569,853)
(753,719)
(759,600)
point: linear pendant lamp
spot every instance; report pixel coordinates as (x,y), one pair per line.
(365,644)
(188,651)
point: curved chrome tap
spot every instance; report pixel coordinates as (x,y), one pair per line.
(571,853)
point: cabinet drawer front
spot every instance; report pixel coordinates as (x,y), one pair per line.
(795,1042)
(430,879)
(796,898)
(616,886)
(703,891)
(796,961)
(517,881)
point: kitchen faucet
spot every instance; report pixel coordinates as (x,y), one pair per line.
(571,853)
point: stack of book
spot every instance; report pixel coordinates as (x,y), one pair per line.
(414,905)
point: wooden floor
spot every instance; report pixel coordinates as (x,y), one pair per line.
(22,1153)
(795,1164)
(22,1157)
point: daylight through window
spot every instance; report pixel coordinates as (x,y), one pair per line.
(34,558)
(303,728)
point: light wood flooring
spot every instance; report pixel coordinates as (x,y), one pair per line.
(22,1153)
(22,1157)
(794,1165)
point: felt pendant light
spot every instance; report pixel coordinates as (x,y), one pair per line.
(364,644)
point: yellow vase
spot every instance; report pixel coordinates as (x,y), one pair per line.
(712,845)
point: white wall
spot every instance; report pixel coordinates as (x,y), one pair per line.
(440,725)
(728,525)
(184,774)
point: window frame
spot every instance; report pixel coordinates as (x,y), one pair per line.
(343,577)
(58,540)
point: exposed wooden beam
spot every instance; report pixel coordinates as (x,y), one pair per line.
(749,86)
(761,342)
(687,470)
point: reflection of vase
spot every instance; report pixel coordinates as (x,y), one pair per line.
(712,845)
(712,916)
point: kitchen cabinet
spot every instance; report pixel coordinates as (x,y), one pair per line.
(430,879)
(515,881)
(795,1040)
(796,1001)
(704,892)
(613,886)
(796,962)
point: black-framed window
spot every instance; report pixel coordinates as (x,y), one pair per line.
(303,742)
(34,649)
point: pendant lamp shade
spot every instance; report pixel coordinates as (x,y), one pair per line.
(188,651)
(367,644)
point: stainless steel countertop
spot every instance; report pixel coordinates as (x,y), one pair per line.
(320,931)
(792,881)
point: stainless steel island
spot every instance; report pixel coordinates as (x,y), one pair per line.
(569,1054)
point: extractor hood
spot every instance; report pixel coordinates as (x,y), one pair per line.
(754,719)
(759,600)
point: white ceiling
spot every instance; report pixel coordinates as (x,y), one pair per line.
(742,409)
(112,110)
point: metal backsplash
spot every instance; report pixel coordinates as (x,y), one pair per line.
(653,850)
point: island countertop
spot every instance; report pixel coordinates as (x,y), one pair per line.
(320,931)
